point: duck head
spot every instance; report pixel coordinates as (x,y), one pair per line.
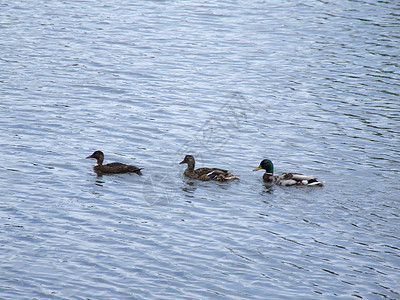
(98,155)
(267,165)
(189,159)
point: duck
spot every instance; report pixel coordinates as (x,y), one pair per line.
(286,179)
(205,174)
(112,168)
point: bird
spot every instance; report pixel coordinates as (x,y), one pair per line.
(205,174)
(286,179)
(112,168)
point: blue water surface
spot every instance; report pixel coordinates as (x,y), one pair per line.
(311,85)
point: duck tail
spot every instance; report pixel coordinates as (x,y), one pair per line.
(316,183)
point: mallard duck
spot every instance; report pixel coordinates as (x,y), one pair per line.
(205,174)
(112,168)
(285,179)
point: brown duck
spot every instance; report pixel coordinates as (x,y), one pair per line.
(205,174)
(112,168)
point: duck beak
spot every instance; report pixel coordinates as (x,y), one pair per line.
(182,162)
(258,168)
(90,156)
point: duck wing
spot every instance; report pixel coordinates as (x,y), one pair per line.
(301,177)
(285,179)
(217,174)
(119,168)
(202,171)
(288,179)
(221,175)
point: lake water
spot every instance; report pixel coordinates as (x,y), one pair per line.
(312,85)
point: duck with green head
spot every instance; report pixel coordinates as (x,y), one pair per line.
(286,179)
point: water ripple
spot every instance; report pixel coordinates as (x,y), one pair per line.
(311,85)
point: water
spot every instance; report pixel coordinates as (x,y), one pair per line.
(312,85)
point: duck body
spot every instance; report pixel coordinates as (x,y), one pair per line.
(286,179)
(205,174)
(116,168)
(112,168)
